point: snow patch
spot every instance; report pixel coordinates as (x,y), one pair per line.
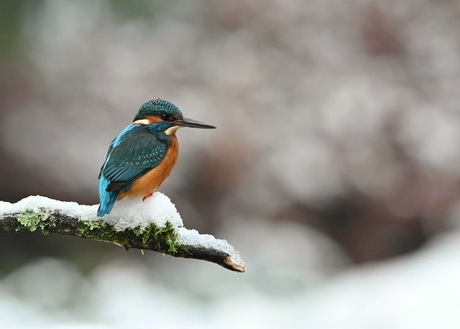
(157,209)
(127,213)
(38,202)
(194,238)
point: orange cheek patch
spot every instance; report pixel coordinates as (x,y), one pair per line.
(153,119)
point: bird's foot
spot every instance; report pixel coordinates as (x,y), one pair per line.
(147,196)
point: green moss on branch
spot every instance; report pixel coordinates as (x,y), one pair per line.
(163,239)
(31,220)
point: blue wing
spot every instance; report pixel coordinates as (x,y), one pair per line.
(134,152)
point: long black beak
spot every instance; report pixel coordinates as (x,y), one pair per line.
(186,122)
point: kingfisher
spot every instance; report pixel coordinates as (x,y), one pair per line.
(143,155)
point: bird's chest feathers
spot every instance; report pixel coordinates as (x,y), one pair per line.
(152,180)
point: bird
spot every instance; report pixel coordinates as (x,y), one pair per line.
(143,155)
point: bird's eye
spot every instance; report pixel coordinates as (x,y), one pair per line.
(166,117)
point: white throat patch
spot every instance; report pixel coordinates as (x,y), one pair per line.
(172,130)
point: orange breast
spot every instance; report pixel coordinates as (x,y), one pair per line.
(152,180)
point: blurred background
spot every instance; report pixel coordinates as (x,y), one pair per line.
(334,169)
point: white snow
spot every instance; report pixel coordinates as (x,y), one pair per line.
(37,202)
(158,209)
(194,238)
(126,213)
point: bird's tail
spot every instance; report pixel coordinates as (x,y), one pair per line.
(107,199)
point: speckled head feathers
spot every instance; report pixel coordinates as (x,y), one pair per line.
(158,107)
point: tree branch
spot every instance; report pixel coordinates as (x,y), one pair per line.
(142,232)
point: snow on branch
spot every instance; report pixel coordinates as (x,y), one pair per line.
(151,225)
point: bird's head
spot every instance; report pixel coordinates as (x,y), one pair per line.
(166,117)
